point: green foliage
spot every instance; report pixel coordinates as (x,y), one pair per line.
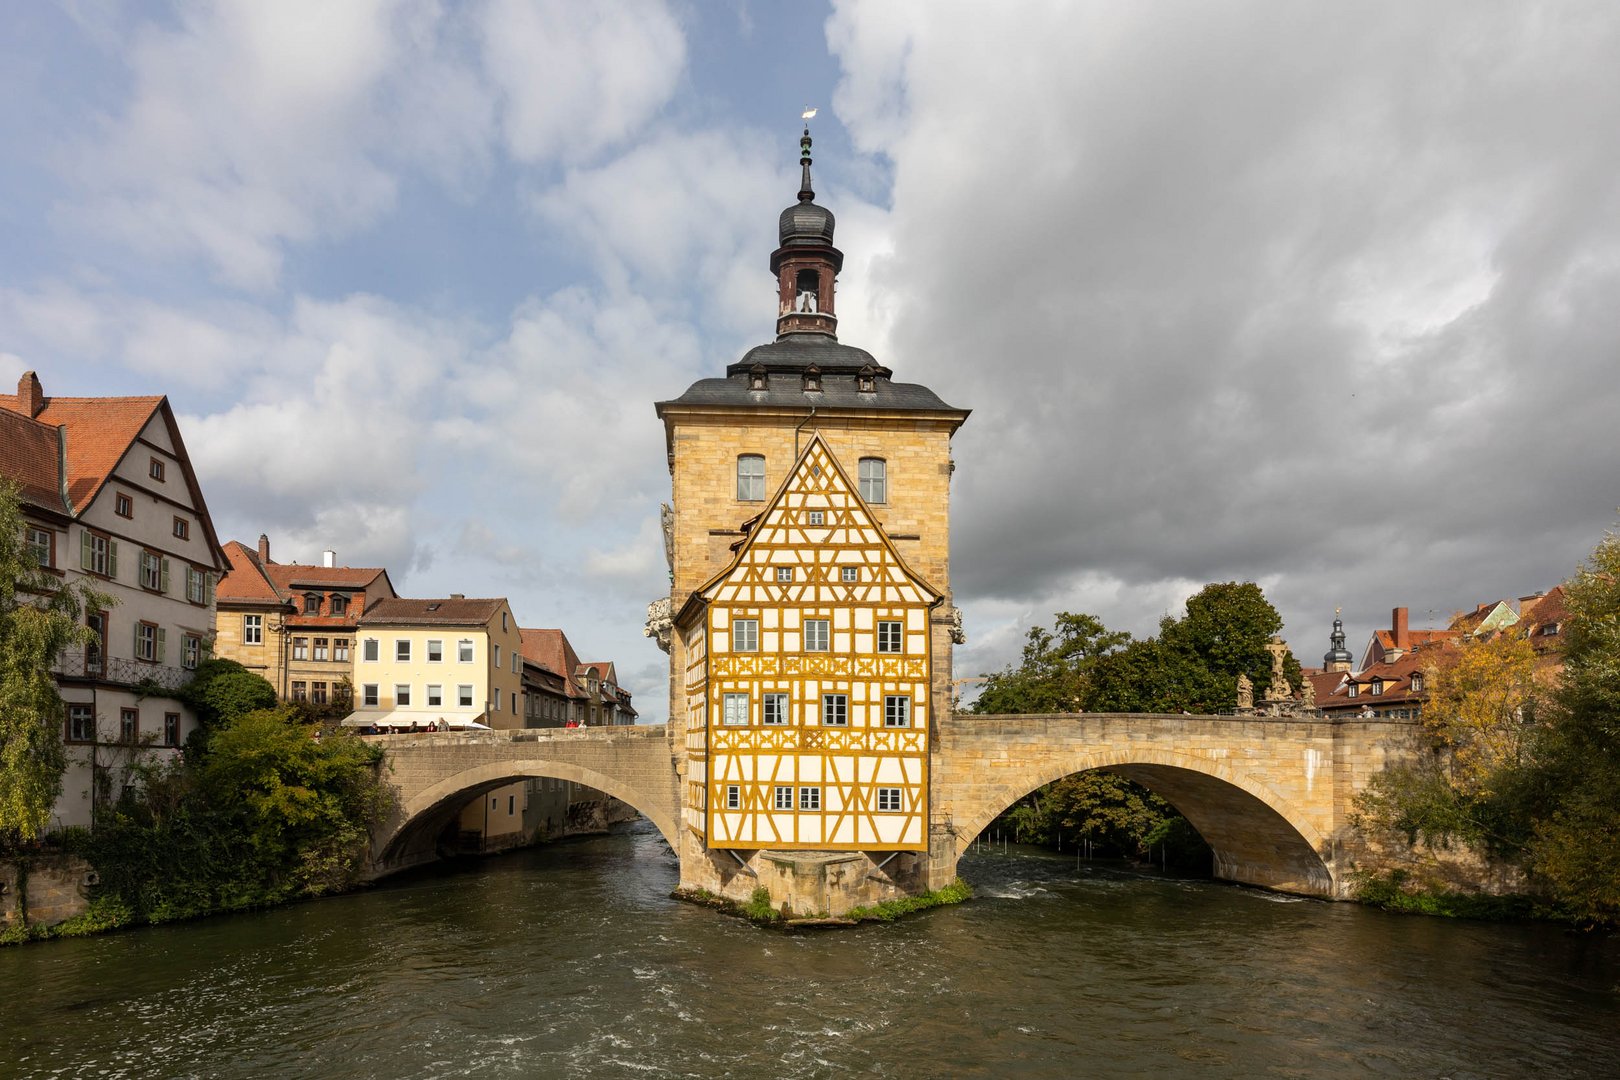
(39,617)
(759,907)
(103,914)
(1116,815)
(221,690)
(1394,891)
(1522,774)
(1054,675)
(265,814)
(889,910)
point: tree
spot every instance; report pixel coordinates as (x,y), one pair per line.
(1481,710)
(222,690)
(1194,663)
(1055,673)
(40,615)
(1576,776)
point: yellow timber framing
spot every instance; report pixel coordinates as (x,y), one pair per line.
(787,573)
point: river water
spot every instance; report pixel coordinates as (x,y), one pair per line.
(571,961)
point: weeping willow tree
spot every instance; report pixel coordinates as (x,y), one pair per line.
(40,615)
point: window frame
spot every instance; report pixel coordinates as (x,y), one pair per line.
(402,700)
(402,650)
(784,574)
(124,504)
(370,694)
(733,797)
(782,798)
(895,631)
(750,484)
(154,572)
(435,650)
(43,554)
(891,800)
(300,648)
(873,489)
(834,710)
(182,528)
(810,799)
(730,702)
(745,635)
(464,695)
(129,726)
(156,469)
(190,651)
(435,695)
(896,710)
(320,649)
(782,706)
(849,574)
(81,722)
(148,642)
(370,650)
(823,635)
(98,554)
(252,629)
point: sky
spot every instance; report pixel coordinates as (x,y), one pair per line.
(1317,296)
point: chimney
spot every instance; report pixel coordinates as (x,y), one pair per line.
(264,548)
(328,557)
(1527,604)
(30,395)
(458,596)
(1397,629)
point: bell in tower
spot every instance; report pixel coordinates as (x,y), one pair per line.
(806,264)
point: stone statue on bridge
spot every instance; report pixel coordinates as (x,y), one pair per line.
(1245,692)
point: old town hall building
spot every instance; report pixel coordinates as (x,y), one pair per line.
(809,625)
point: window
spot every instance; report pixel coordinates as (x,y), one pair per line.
(154,572)
(435,695)
(1377,686)
(750,477)
(98,554)
(496,653)
(505,626)
(300,648)
(464,651)
(464,695)
(815,635)
(818,517)
(514,703)
(148,642)
(1417,682)
(517,662)
(874,479)
(171,729)
(835,710)
(402,648)
(182,529)
(339,604)
(155,469)
(784,573)
(495,701)
(734,709)
(123,505)
(96,650)
(783,796)
(809,798)
(41,544)
(317,693)
(129,725)
(191,651)
(312,603)
(1351,690)
(776,709)
(889,637)
(253,629)
(300,690)
(368,694)
(368,649)
(340,650)
(733,797)
(896,711)
(196,585)
(435,651)
(321,650)
(81,724)
(745,635)
(888,800)
(850,573)
(402,693)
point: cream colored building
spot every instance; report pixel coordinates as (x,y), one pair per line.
(449,662)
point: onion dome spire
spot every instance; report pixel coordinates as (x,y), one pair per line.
(1338,657)
(806,192)
(806,264)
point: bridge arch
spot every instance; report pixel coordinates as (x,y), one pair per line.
(1257,836)
(422,815)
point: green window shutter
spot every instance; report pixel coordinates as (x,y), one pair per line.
(135,641)
(161,634)
(112,558)
(163,581)
(84,550)
(213,579)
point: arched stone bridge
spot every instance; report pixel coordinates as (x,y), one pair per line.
(1271,795)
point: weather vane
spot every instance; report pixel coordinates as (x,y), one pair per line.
(809,113)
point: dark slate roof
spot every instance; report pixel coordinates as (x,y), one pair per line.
(787,390)
(795,352)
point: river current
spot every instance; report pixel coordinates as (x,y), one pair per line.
(571,961)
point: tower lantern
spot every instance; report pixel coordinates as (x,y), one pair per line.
(806,264)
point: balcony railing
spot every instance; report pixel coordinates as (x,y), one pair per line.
(120,671)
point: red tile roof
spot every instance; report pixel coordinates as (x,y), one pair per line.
(1396,676)
(551,650)
(399,611)
(30,454)
(245,581)
(292,577)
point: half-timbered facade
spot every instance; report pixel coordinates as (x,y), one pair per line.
(809,708)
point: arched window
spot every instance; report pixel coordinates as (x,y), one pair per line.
(750,477)
(874,479)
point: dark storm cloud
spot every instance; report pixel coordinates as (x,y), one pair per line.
(1321,297)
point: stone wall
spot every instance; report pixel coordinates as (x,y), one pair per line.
(52,890)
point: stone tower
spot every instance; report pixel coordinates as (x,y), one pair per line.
(809,623)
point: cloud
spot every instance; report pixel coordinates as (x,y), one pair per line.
(1252,292)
